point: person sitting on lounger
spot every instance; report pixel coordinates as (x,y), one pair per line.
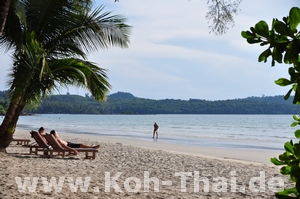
(42,133)
(70,144)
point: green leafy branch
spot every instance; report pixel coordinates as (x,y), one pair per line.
(283,40)
(283,46)
(291,161)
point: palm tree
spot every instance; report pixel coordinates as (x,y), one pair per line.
(4,8)
(50,39)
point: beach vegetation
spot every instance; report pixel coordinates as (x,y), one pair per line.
(221,14)
(74,104)
(2,110)
(126,103)
(49,41)
(282,39)
(4,8)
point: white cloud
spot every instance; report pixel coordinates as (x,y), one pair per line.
(172,54)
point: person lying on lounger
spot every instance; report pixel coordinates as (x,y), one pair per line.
(70,144)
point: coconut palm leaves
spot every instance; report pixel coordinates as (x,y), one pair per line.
(50,40)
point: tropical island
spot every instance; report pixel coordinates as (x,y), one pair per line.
(127,103)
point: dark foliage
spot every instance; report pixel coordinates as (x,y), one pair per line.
(126,103)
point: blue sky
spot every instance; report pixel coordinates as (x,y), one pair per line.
(172,54)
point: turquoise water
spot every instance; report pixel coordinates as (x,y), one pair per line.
(267,132)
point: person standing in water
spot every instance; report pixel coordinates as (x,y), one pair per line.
(155,130)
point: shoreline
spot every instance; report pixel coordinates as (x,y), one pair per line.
(238,154)
(233,154)
(225,131)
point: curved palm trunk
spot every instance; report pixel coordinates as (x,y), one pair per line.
(8,126)
(4,8)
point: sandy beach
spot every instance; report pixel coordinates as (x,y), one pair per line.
(126,168)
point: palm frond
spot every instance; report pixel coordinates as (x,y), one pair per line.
(51,39)
(81,73)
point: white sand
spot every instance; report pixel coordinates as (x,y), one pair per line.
(173,169)
(254,156)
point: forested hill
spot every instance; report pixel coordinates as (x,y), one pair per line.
(126,103)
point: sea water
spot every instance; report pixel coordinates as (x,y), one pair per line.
(264,132)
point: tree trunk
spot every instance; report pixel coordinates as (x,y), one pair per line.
(4,8)
(5,140)
(9,123)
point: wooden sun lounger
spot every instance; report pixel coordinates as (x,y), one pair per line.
(38,145)
(90,153)
(21,141)
(41,145)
